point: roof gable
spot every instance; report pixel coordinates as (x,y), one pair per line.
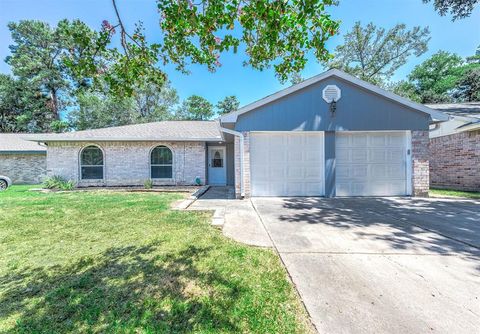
(435,115)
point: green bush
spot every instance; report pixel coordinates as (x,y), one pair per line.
(148,184)
(58,183)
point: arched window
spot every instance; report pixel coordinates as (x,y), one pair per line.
(91,163)
(161,163)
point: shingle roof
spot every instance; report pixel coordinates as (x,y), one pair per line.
(18,142)
(468,109)
(156,131)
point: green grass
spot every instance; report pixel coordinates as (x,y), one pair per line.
(453,193)
(90,262)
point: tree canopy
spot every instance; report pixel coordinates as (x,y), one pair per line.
(228,104)
(23,108)
(271,33)
(195,108)
(148,103)
(41,54)
(444,77)
(374,54)
(459,9)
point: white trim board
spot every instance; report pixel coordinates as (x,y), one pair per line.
(436,115)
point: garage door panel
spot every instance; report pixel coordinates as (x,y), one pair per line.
(315,156)
(295,164)
(359,155)
(371,164)
(312,173)
(294,173)
(275,172)
(294,155)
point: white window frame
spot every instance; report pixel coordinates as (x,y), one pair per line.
(161,165)
(80,165)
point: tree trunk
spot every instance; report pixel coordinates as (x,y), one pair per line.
(54,104)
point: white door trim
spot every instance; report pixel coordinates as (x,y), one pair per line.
(224,174)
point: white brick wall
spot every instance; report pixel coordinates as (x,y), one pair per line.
(23,168)
(128,163)
(246,165)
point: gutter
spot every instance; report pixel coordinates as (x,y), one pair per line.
(242,152)
(469,127)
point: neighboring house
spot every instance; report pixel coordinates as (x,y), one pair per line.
(331,135)
(23,161)
(455,148)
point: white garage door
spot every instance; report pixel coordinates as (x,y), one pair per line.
(371,163)
(287,163)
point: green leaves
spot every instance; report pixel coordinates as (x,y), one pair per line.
(228,104)
(195,108)
(374,54)
(445,77)
(458,8)
(278,33)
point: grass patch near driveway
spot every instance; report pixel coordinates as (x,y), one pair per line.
(89,262)
(454,193)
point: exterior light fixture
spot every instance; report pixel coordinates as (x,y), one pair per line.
(331,94)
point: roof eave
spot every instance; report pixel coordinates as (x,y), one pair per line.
(130,139)
(469,127)
(23,152)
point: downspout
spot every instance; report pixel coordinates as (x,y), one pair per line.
(240,136)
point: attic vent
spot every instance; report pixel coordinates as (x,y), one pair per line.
(331,93)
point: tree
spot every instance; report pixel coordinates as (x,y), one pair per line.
(40,54)
(148,103)
(23,107)
(406,89)
(444,77)
(97,110)
(282,33)
(436,77)
(468,88)
(296,79)
(458,8)
(195,108)
(374,54)
(228,104)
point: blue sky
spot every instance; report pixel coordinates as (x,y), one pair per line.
(461,37)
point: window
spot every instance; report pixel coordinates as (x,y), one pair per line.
(91,163)
(217,160)
(161,162)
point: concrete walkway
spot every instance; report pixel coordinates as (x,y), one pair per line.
(240,221)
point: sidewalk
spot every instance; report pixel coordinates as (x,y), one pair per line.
(240,221)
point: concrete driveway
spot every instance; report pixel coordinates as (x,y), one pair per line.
(377,265)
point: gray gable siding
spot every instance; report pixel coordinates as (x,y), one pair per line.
(357,110)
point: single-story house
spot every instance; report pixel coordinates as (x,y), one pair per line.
(455,148)
(331,135)
(23,161)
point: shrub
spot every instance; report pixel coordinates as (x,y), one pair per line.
(58,183)
(148,184)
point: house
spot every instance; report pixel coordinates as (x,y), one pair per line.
(455,148)
(23,161)
(331,135)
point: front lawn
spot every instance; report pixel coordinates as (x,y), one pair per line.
(125,263)
(453,193)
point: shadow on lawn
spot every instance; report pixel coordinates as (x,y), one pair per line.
(124,289)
